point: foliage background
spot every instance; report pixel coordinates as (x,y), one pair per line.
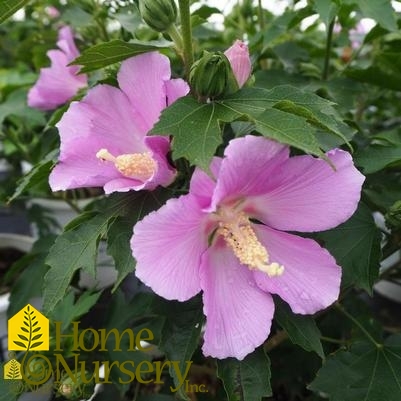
(322,85)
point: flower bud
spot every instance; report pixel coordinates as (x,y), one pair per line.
(238,55)
(211,76)
(393,216)
(158,14)
(52,12)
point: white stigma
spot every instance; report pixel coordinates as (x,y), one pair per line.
(140,166)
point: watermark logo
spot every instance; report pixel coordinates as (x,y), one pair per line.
(28,330)
(41,357)
(12,370)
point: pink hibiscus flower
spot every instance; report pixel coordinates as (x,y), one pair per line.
(58,83)
(226,237)
(103,136)
(238,56)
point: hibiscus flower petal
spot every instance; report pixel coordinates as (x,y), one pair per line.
(307,194)
(56,84)
(202,187)
(142,78)
(238,56)
(311,278)
(123,185)
(88,126)
(78,167)
(238,313)
(104,116)
(165,173)
(176,88)
(247,164)
(167,245)
(66,43)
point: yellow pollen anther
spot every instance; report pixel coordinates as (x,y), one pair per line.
(241,238)
(140,166)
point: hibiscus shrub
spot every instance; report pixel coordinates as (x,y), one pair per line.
(244,167)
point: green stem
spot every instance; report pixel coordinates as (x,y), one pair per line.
(102,29)
(186,32)
(261,16)
(275,340)
(332,340)
(330,29)
(359,325)
(176,37)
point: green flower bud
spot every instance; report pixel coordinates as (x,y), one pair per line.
(158,14)
(75,388)
(211,76)
(393,216)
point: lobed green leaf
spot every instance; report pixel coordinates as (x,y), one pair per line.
(246,380)
(105,54)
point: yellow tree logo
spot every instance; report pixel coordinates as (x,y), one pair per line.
(28,330)
(12,370)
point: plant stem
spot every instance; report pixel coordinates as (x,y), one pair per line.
(261,16)
(186,33)
(177,38)
(275,340)
(359,325)
(330,29)
(332,340)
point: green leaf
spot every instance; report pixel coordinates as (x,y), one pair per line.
(10,79)
(105,54)
(383,71)
(196,127)
(301,329)
(68,310)
(315,110)
(15,104)
(364,372)
(205,12)
(73,250)
(76,248)
(381,11)
(119,232)
(29,280)
(180,335)
(355,245)
(246,380)
(278,27)
(9,7)
(289,129)
(327,9)
(118,246)
(377,157)
(37,175)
